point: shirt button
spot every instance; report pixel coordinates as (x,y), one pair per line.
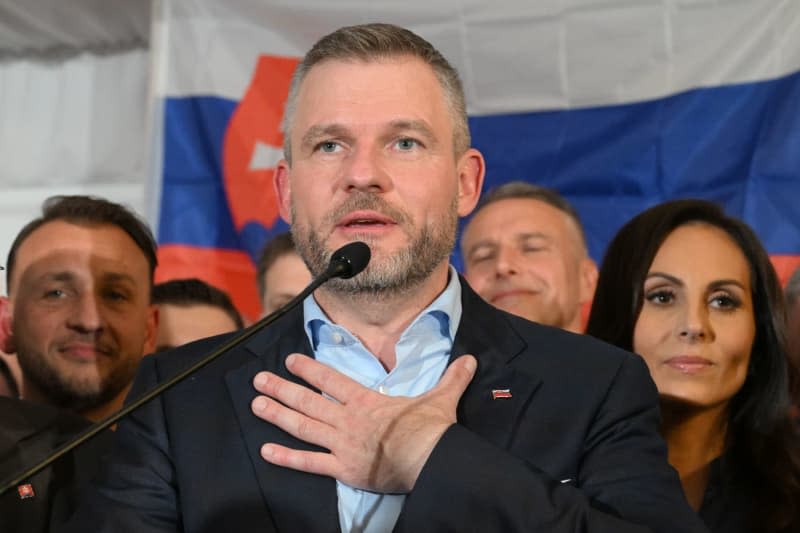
(337,338)
(382,389)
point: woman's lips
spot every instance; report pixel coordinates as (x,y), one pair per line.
(689,364)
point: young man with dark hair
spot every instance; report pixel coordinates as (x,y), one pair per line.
(78,318)
(78,313)
(191,309)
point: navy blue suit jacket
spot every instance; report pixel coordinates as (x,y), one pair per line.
(575,448)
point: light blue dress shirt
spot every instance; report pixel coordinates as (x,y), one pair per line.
(422,354)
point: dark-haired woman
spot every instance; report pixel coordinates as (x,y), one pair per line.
(693,292)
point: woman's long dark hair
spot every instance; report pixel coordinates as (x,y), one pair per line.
(763,446)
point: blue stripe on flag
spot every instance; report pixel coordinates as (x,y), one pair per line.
(194,209)
(738,145)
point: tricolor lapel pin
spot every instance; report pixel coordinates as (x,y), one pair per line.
(501,393)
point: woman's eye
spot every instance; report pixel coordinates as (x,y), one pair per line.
(725,301)
(660,297)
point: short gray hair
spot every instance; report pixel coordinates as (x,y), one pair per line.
(368,42)
(528,191)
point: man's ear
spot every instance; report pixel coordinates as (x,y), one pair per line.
(7,343)
(471,171)
(151,330)
(588,279)
(283,191)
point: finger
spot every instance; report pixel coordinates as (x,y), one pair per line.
(456,378)
(296,424)
(297,397)
(331,382)
(324,464)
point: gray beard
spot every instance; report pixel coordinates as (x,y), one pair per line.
(386,276)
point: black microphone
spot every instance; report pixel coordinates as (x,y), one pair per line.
(348,260)
(345,263)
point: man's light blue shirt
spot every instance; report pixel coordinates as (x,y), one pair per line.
(422,354)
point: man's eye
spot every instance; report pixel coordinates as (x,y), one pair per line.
(480,258)
(116,296)
(54,294)
(532,249)
(406,144)
(328,147)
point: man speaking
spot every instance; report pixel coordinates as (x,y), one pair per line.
(398,399)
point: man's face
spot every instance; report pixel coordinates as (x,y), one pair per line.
(181,324)
(285,279)
(526,257)
(80,311)
(373,160)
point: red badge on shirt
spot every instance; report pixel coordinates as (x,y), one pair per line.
(501,393)
(25,491)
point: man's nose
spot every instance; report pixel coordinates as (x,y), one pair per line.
(507,263)
(365,170)
(85,314)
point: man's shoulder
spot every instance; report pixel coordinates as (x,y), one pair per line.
(572,358)
(539,348)
(572,347)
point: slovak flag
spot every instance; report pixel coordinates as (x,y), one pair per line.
(618,106)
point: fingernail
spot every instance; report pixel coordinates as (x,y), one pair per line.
(470,364)
(267,450)
(290,360)
(261,379)
(259,404)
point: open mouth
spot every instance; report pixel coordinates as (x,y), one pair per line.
(365,220)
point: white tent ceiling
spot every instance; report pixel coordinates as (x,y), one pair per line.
(74,104)
(58,27)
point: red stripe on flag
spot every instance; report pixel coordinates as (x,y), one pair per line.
(229,270)
(785,265)
(256,120)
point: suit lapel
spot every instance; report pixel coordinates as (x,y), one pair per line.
(499,394)
(296,500)
(304,502)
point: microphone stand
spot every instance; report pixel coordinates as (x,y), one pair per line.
(346,262)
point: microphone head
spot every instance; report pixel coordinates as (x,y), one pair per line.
(349,260)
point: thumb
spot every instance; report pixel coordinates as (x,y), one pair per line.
(457,377)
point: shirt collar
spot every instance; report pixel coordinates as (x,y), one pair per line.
(445,309)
